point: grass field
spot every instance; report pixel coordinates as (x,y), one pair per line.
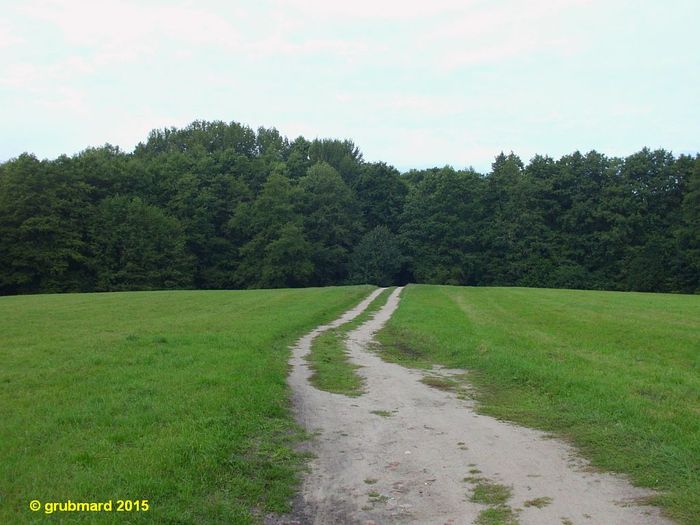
(178,398)
(616,373)
(332,371)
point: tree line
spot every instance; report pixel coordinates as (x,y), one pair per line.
(217,205)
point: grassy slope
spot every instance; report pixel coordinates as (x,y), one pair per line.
(175,397)
(618,373)
(332,371)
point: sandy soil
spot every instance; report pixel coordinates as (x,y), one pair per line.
(400,453)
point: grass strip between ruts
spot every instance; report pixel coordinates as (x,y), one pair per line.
(328,359)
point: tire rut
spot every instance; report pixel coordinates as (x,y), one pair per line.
(405,452)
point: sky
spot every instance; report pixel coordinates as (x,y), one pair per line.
(414,84)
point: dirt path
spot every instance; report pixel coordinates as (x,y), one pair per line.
(401,452)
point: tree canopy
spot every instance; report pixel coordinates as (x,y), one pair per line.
(220,205)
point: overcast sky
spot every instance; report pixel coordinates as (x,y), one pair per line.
(415,84)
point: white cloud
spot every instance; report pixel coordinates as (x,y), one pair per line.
(19,75)
(410,103)
(119,30)
(285,45)
(446,81)
(63,99)
(494,33)
(41,77)
(453,33)
(373,9)
(8,38)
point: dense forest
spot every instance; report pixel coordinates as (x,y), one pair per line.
(218,205)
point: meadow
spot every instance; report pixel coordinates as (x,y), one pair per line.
(617,374)
(178,398)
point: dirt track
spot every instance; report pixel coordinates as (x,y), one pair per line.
(408,463)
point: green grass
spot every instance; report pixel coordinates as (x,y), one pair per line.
(497,516)
(616,373)
(490,493)
(328,359)
(496,496)
(179,398)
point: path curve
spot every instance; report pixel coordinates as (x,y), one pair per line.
(400,453)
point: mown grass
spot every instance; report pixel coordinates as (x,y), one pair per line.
(328,359)
(616,373)
(179,398)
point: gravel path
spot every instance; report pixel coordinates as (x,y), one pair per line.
(400,453)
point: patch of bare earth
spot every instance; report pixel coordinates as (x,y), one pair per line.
(434,460)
